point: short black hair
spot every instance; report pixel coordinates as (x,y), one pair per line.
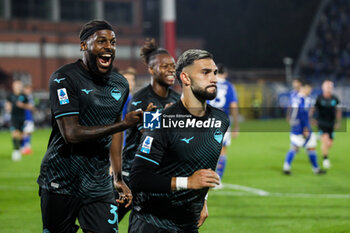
(221,68)
(299,79)
(306,83)
(150,49)
(92,26)
(188,57)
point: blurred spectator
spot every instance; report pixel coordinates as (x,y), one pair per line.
(330,57)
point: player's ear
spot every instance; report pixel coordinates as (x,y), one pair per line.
(150,70)
(83,46)
(185,78)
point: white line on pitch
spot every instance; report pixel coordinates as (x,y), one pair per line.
(259,192)
(248,191)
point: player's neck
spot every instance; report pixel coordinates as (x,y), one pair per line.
(160,90)
(17,92)
(83,62)
(327,95)
(193,105)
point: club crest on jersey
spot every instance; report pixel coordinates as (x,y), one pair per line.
(63,96)
(116,94)
(147,144)
(218,136)
(333,103)
(151,120)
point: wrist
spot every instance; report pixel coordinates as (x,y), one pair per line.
(117,176)
(181,183)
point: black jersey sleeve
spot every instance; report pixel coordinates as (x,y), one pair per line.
(23,98)
(8,97)
(64,96)
(337,101)
(149,155)
(135,103)
(317,103)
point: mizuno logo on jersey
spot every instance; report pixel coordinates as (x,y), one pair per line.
(135,103)
(86,91)
(58,80)
(187,140)
(63,96)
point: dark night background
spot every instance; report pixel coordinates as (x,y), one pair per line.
(242,33)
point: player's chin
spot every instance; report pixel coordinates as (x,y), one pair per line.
(169,80)
(104,69)
(211,95)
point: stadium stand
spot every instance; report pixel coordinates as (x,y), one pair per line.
(329,55)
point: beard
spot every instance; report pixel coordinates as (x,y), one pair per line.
(203,94)
(93,69)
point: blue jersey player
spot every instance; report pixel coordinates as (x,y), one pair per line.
(226,100)
(301,133)
(28,122)
(297,82)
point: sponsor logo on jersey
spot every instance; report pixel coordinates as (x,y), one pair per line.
(218,136)
(151,120)
(58,80)
(63,96)
(116,94)
(147,144)
(187,140)
(86,91)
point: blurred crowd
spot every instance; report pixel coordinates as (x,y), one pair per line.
(330,56)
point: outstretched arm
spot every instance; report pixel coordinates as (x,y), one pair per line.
(73,132)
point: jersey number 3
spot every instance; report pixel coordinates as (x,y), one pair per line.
(115,214)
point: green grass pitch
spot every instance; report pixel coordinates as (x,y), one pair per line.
(257,197)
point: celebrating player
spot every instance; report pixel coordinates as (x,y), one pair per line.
(174,166)
(328,118)
(161,66)
(301,134)
(226,100)
(86,102)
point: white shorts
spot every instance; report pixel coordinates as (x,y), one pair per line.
(227,139)
(28,127)
(299,140)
